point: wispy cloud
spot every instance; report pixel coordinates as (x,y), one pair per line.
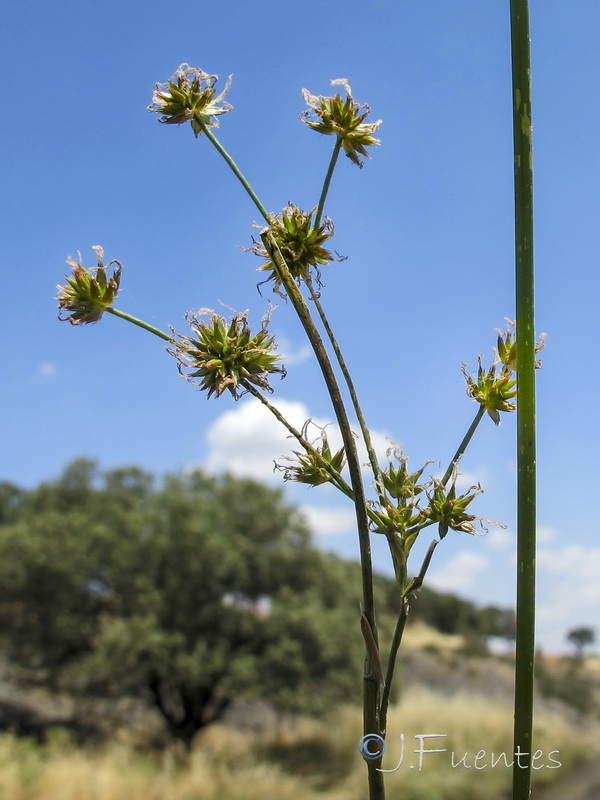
(293,355)
(569,591)
(324,521)
(459,573)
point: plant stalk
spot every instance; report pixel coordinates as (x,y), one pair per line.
(526,454)
(463,445)
(140,323)
(352,392)
(371,722)
(391,665)
(236,171)
(326,183)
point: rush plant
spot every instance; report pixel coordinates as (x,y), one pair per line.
(226,357)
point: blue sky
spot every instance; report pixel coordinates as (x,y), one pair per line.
(427,226)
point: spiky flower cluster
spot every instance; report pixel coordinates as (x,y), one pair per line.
(401,489)
(342,117)
(226,355)
(496,389)
(189,96)
(88,292)
(299,243)
(309,468)
(448,509)
(492,390)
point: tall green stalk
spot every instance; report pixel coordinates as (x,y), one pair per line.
(526,477)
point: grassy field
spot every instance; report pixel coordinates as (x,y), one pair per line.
(304,760)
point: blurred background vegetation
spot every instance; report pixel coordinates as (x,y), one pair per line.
(184,638)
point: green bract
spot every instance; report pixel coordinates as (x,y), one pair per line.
(494,391)
(310,468)
(448,510)
(88,293)
(189,96)
(342,117)
(225,355)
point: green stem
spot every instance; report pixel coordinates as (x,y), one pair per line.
(141,324)
(352,391)
(391,665)
(526,476)
(459,453)
(463,445)
(334,157)
(371,722)
(236,171)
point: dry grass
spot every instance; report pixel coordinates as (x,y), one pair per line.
(305,761)
(419,635)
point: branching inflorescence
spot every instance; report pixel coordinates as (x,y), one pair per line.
(222,356)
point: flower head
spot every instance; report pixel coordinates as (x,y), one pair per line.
(342,117)
(397,481)
(448,510)
(189,96)
(309,468)
(506,350)
(88,293)
(226,355)
(298,241)
(494,391)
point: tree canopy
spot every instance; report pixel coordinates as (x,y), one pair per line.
(189,593)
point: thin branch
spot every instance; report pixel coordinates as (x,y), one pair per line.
(353,395)
(141,324)
(236,170)
(334,157)
(463,445)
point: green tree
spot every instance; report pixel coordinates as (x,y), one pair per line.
(580,637)
(190,594)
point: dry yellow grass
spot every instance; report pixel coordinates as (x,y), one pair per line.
(307,760)
(419,635)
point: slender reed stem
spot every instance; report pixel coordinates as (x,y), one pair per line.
(463,445)
(236,171)
(371,686)
(526,477)
(334,157)
(391,665)
(141,324)
(352,392)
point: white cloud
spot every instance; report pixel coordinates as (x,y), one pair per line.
(325,521)
(499,538)
(569,591)
(292,355)
(247,440)
(545,534)
(459,573)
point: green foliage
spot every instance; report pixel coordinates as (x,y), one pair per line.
(189,593)
(567,680)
